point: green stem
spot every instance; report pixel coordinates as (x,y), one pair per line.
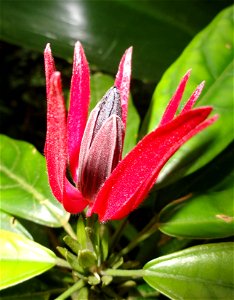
(117,234)
(149,229)
(128,273)
(77,286)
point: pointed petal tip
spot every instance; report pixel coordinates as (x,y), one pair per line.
(47,48)
(79,57)
(128,55)
(56,76)
(201,85)
(78,46)
(129,50)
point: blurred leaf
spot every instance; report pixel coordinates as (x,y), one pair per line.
(10,223)
(25,189)
(158,30)
(22,259)
(100,83)
(200,272)
(210,55)
(28,290)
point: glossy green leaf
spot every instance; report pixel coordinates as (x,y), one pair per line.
(22,259)
(210,55)
(24,184)
(209,215)
(100,83)
(158,30)
(10,223)
(200,272)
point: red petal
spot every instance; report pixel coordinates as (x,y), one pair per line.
(73,201)
(56,137)
(132,179)
(49,67)
(122,81)
(79,105)
(192,100)
(175,101)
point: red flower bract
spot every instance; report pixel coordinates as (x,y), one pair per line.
(91,150)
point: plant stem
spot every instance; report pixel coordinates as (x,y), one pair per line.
(128,273)
(117,234)
(149,229)
(77,286)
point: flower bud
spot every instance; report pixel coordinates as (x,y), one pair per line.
(102,143)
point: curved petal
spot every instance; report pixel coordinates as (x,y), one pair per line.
(49,67)
(73,201)
(56,145)
(122,81)
(132,179)
(192,100)
(175,101)
(145,187)
(79,105)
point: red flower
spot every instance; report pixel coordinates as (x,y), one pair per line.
(91,150)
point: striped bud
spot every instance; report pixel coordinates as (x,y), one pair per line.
(102,143)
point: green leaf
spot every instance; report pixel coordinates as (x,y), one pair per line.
(86,258)
(158,30)
(100,83)
(25,189)
(210,55)
(22,259)
(10,223)
(28,290)
(208,215)
(203,216)
(200,272)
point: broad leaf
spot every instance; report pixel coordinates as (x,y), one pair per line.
(25,189)
(207,215)
(158,30)
(210,55)
(100,83)
(10,223)
(22,259)
(200,272)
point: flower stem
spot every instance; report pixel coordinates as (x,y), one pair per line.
(149,229)
(128,273)
(77,286)
(117,234)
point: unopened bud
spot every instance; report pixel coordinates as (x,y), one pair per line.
(102,143)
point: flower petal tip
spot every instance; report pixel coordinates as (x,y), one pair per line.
(55,78)
(47,49)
